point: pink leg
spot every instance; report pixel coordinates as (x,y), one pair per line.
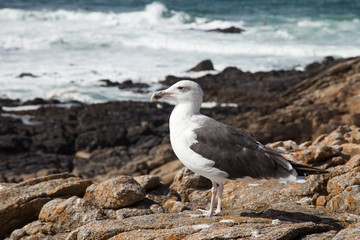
(211,212)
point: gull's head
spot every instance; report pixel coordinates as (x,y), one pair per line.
(181,92)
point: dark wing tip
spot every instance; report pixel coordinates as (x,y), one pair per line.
(303,170)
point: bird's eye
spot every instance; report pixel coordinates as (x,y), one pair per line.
(180,88)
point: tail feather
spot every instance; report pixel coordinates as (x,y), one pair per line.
(303,170)
(289,170)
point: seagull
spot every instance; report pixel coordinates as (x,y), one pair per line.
(218,151)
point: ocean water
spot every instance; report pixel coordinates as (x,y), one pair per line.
(71,45)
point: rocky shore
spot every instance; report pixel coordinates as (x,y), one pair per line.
(107,171)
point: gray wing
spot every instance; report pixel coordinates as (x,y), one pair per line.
(237,153)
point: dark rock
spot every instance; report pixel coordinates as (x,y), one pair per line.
(21,75)
(40,101)
(124,85)
(100,138)
(145,161)
(14,143)
(20,167)
(355,119)
(130,84)
(205,65)
(109,83)
(52,141)
(101,162)
(228,30)
(8,102)
(134,133)
(148,142)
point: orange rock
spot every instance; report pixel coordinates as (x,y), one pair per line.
(351,148)
(115,193)
(346,201)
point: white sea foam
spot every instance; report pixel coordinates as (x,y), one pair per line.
(25,119)
(20,108)
(71,50)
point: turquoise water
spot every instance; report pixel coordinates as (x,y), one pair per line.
(224,9)
(70,45)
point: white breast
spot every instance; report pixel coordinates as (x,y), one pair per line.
(182,137)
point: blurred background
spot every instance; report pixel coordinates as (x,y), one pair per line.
(65,47)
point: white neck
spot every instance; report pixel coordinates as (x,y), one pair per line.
(181,114)
(187,108)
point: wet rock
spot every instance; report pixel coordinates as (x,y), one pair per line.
(40,101)
(146,160)
(105,137)
(52,141)
(108,83)
(21,75)
(134,133)
(21,203)
(9,102)
(14,143)
(26,166)
(130,84)
(123,85)
(115,193)
(228,30)
(127,84)
(205,65)
(99,163)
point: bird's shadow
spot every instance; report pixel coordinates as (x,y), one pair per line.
(295,217)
